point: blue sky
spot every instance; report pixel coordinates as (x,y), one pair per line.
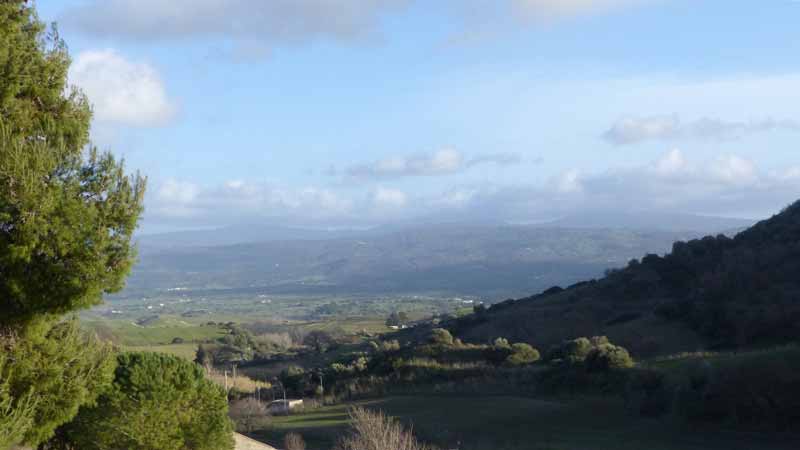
(362,112)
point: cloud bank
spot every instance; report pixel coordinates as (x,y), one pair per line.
(728,185)
(633,130)
(267,22)
(558,9)
(441,162)
(254,25)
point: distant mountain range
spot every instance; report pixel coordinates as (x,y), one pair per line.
(652,221)
(634,221)
(496,261)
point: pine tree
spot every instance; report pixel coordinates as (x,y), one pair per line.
(67,213)
(156,402)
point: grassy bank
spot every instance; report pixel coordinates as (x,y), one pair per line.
(515,423)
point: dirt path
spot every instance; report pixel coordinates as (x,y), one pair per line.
(245,443)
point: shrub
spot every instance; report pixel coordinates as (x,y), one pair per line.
(294,441)
(376,431)
(608,356)
(319,341)
(177,340)
(576,350)
(156,402)
(501,343)
(441,336)
(522,354)
(248,414)
(604,355)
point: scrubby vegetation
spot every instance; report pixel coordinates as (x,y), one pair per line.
(376,431)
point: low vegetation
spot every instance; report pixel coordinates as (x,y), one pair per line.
(376,431)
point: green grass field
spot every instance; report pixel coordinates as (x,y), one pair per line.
(185,350)
(162,332)
(515,423)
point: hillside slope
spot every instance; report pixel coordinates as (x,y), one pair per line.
(715,292)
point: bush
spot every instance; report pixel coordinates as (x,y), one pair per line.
(441,336)
(604,355)
(572,352)
(522,354)
(248,414)
(294,441)
(608,356)
(501,343)
(376,431)
(156,402)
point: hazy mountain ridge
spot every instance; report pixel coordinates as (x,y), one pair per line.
(495,260)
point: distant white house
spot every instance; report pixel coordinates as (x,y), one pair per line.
(279,407)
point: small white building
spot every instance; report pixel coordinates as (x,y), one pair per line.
(279,407)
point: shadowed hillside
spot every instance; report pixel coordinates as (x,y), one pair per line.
(715,292)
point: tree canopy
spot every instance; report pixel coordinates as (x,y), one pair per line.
(156,402)
(67,212)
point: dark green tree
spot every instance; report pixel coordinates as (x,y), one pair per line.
(156,402)
(50,372)
(66,214)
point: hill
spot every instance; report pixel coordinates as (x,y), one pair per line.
(709,293)
(495,261)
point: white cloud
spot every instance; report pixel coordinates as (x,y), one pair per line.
(568,182)
(441,162)
(389,198)
(121,91)
(732,169)
(556,9)
(251,25)
(728,185)
(632,130)
(237,200)
(672,163)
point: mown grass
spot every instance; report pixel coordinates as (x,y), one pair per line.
(162,332)
(185,350)
(516,423)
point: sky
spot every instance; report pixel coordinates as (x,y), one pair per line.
(357,113)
